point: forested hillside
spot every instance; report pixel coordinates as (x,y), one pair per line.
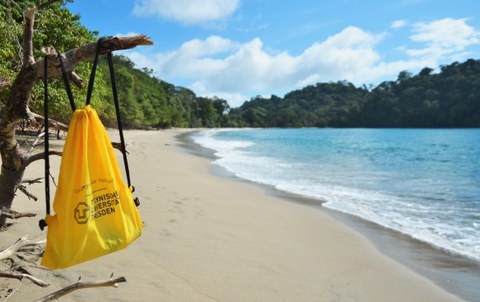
(450,98)
(145,100)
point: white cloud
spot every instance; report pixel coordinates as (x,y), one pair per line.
(234,98)
(222,67)
(187,11)
(398,24)
(443,37)
(129,34)
(237,71)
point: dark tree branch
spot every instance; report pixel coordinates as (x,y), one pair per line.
(23,189)
(32,181)
(15,215)
(39,156)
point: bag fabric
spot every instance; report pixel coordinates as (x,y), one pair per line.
(95,213)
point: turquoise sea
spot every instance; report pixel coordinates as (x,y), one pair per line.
(413,192)
(424,183)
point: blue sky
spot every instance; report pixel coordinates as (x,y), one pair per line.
(238,49)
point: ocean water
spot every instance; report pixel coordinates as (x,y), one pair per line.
(424,183)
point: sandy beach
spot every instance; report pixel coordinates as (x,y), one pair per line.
(210,238)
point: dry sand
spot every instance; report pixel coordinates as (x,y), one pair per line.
(208,238)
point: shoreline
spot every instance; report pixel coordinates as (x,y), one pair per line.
(211,238)
(457,274)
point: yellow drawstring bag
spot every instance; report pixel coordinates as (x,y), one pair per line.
(95,213)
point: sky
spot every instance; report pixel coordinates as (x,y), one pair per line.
(239,49)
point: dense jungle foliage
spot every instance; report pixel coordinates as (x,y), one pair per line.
(145,101)
(449,98)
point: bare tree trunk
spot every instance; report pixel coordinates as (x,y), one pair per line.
(14,161)
(11,176)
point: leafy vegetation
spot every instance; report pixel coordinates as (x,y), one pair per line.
(450,98)
(145,101)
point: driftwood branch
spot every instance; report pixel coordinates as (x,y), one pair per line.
(18,245)
(81,285)
(21,276)
(14,248)
(14,214)
(74,56)
(24,190)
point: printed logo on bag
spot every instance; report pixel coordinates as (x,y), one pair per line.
(82,213)
(104,204)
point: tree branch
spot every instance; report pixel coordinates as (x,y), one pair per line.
(37,180)
(19,244)
(52,123)
(28,194)
(28,57)
(15,215)
(32,158)
(76,79)
(20,276)
(82,53)
(14,248)
(81,285)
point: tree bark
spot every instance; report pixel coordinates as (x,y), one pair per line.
(16,108)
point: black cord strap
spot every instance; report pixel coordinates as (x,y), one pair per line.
(119,120)
(66,82)
(92,74)
(42,224)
